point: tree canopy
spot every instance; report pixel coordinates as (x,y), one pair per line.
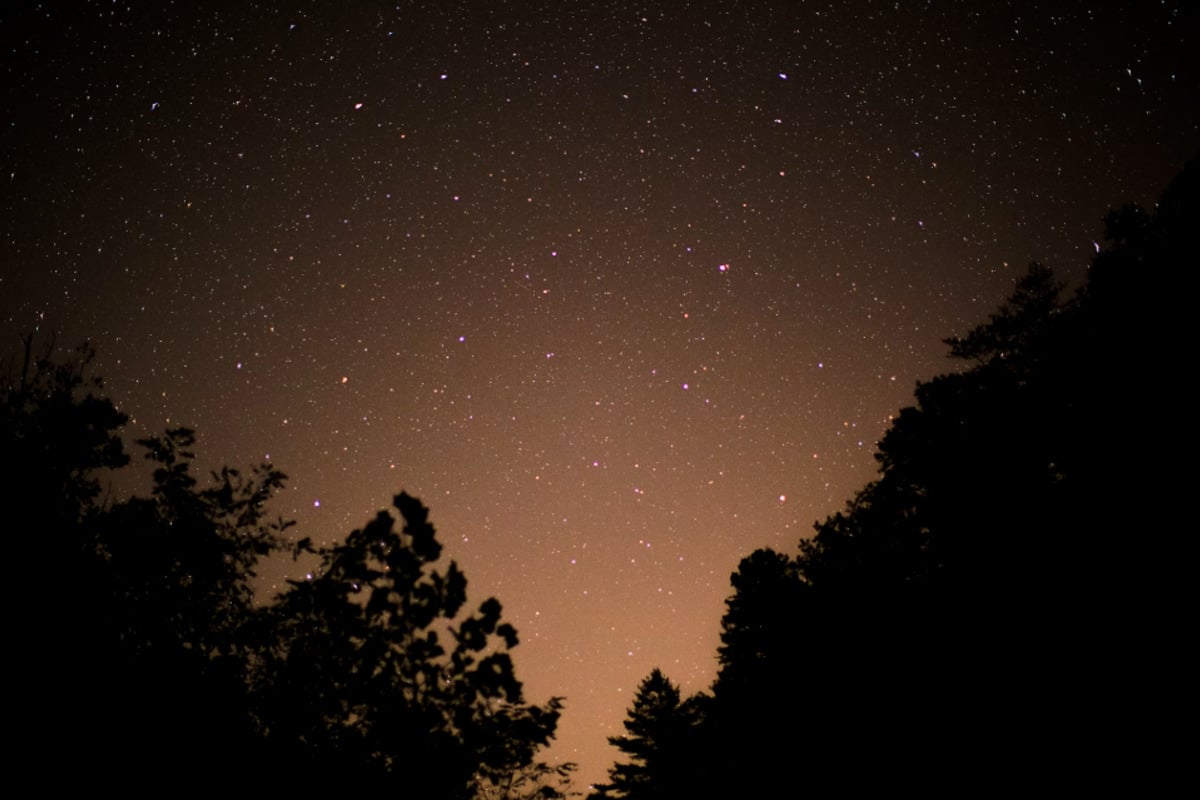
(372,667)
(1003,601)
(146,655)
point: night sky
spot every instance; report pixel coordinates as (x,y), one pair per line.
(621,291)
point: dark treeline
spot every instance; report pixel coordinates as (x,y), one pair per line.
(1004,605)
(141,663)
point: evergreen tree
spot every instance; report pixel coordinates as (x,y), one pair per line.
(660,743)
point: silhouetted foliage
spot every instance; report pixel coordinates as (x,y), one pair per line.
(134,637)
(536,781)
(660,743)
(373,671)
(147,657)
(57,434)
(752,649)
(1009,583)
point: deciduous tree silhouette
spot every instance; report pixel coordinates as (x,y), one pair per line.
(144,655)
(374,671)
(170,604)
(537,781)
(58,433)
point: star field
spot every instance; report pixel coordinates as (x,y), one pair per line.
(621,291)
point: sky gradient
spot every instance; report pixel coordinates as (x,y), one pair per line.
(620,291)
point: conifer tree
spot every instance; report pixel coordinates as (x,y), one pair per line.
(660,729)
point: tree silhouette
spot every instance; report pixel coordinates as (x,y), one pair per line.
(144,654)
(755,632)
(660,742)
(58,433)
(372,670)
(537,781)
(169,606)
(1010,565)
